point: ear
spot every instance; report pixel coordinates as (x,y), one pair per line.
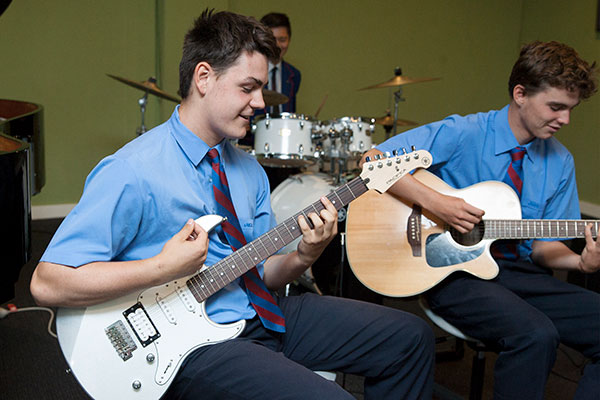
(519,94)
(202,75)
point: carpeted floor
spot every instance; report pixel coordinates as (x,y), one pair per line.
(32,365)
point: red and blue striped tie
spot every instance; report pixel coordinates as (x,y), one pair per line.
(261,299)
(514,174)
(505,249)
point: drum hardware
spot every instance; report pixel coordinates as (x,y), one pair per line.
(397,81)
(388,122)
(348,137)
(149,87)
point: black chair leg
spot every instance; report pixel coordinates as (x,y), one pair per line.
(477,375)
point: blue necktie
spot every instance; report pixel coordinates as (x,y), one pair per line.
(261,299)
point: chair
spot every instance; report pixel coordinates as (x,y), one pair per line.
(478,368)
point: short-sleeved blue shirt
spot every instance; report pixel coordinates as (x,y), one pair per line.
(475,148)
(135,200)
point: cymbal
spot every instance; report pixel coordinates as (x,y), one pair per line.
(273,98)
(147,86)
(388,120)
(399,80)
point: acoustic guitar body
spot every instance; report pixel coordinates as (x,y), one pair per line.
(397,249)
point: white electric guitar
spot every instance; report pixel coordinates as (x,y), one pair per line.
(133,346)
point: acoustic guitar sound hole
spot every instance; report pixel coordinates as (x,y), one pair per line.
(470,238)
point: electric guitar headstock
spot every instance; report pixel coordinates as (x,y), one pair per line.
(386,169)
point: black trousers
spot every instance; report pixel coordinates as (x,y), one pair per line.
(524,313)
(392,349)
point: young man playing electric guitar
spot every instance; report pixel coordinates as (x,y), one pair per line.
(524,312)
(126,235)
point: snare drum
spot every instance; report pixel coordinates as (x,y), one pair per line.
(284,141)
(292,196)
(348,137)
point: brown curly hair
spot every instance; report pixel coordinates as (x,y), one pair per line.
(552,64)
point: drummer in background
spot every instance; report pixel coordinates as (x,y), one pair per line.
(283,77)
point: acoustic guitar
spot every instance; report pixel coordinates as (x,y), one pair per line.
(397,249)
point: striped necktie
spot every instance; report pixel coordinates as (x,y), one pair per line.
(508,249)
(514,174)
(261,299)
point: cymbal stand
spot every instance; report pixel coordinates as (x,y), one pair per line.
(397,98)
(142,102)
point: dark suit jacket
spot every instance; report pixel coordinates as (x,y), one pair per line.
(290,83)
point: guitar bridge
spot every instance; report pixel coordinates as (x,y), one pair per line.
(121,340)
(413,230)
(142,325)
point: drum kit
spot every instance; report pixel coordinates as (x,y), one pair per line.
(306,158)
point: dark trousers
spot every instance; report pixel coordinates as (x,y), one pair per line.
(524,313)
(392,349)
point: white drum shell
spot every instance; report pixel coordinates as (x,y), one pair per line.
(285,137)
(359,141)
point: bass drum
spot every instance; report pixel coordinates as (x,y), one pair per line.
(290,197)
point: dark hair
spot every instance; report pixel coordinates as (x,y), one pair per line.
(552,64)
(275,20)
(219,39)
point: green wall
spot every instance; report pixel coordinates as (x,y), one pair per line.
(57,54)
(573,23)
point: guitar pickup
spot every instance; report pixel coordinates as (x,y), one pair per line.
(142,325)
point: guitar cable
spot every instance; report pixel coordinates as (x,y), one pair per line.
(13,309)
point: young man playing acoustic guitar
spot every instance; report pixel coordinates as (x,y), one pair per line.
(126,235)
(524,312)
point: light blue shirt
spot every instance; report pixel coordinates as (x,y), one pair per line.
(135,200)
(475,148)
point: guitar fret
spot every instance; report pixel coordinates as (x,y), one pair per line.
(266,252)
(217,274)
(339,200)
(273,248)
(287,229)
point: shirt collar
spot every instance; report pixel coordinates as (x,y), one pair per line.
(194,148)
(504,143)
(271,66)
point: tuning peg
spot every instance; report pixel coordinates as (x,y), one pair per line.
(403,150)
(367,158)
(395,152)
(387,154)
(413,148)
